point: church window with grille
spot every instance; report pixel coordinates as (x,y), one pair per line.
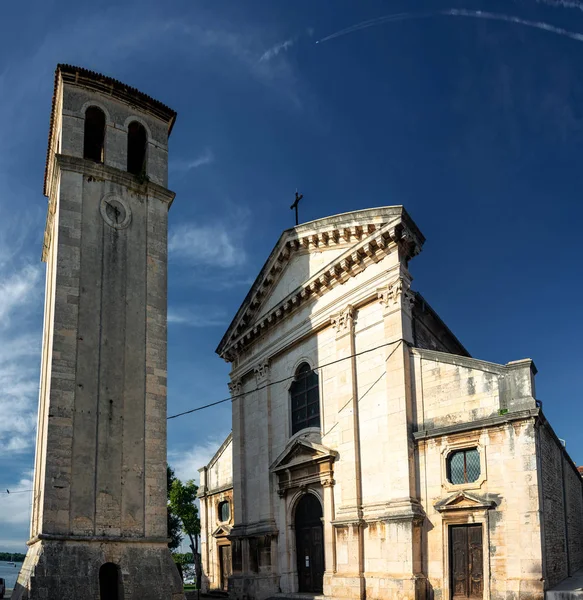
(94,134)
(463,466)
(224,511)
(305,399)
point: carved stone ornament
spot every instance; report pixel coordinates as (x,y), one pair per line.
(343,320)
(262,371)
(235,387)
(397,290)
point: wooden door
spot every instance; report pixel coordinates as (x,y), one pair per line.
(466,561)
(225,565)
(310,545)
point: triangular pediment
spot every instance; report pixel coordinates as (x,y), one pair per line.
(312,258)
(301,267)
(301,452)
(222,531)
(464,501)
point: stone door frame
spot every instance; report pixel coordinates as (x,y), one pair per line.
(464,509)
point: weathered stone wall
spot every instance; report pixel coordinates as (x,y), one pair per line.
(504,500)
(452,390)
(562,504)
(68,570)
(216,486)
(100,479)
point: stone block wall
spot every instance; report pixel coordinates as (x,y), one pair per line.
(562,506)
(504,500)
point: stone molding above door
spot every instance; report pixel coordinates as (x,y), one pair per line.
(304,463)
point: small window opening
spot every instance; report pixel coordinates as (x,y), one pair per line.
(110,582)
(463,466)
(224,511)
(305,399)
(137,144)
(94,137)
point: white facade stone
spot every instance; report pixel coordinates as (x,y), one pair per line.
(398,394)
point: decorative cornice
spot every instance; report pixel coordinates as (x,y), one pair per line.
(366,243)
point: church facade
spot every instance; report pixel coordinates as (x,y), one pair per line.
(372,457)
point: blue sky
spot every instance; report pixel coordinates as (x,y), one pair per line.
(475,124)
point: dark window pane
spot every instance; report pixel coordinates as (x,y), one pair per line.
(298,402)
(472,465)
(94,137)
(305,402)
(313,395)
(300,415)
(137,144)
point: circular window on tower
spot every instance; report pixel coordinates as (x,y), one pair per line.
(224,510)
(115,212)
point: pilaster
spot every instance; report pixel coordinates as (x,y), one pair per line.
(239,500)
(402,514)
(346,529)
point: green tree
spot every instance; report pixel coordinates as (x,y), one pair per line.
(182,498)
(174,523)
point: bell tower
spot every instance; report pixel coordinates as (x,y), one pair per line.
(98,526)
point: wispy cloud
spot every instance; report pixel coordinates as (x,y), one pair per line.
(216,244)
(275,50)
(197,317)
(563,3)
(206,245)
(15,507)
(15,290)
(20,301)
(206,158)
(186,462)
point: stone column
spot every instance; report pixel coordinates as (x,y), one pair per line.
(238,424)
(329,539)
(403,513)
(264,401)
(348,581)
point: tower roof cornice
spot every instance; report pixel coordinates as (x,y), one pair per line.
(107,86)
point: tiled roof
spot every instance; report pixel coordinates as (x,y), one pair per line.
(108,86)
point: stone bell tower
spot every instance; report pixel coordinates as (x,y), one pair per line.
(98,527)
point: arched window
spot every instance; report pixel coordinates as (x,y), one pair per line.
(463,466)
(305,399)
(137,144)
(110,583)
(224,510)
(94,137)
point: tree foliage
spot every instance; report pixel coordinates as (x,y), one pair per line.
(182,502)
(174,523)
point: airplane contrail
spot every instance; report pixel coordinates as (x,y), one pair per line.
(453,12)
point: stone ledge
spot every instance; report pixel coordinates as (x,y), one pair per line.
(480,424)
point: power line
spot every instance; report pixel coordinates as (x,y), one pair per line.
(266,385)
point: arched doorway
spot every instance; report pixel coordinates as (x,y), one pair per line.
(110,585)
(310,544)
